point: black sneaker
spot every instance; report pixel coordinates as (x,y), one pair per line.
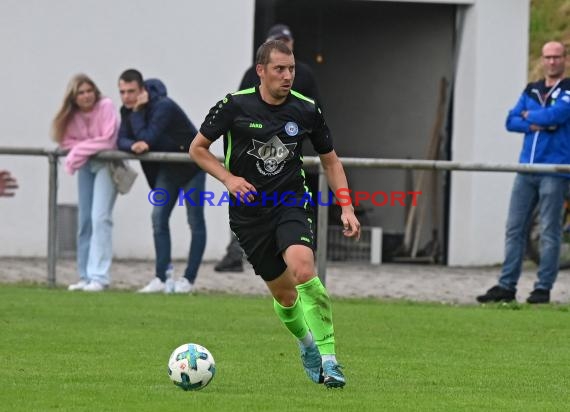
(497,294)
(229,264)
(539,296)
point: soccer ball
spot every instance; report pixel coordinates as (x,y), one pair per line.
(191,367)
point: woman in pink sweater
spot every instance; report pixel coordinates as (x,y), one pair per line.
(86,124)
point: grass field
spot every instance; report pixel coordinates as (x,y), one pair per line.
(108,351)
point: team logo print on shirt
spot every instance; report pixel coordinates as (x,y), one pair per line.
(291,129)
(271,154)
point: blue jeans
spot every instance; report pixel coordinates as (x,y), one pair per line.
(97,195)
(528,191)
(160,222)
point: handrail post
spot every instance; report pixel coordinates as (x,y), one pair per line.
(52,219)
(322,224)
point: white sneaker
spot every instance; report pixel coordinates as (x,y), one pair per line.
(78,286)
(170,271)
(182,285)
(156,285)
(169,284)
(94,286)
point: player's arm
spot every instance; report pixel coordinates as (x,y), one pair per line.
(337,180)
(201,154)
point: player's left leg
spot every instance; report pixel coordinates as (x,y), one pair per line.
(317,309)
(290,311)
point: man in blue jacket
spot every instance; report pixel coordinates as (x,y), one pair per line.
(151,121)
(543,115)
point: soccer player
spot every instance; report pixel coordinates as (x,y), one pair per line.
(263,128)
(305,84)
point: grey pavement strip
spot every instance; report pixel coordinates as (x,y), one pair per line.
(427,283)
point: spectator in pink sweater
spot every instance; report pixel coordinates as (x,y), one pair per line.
(86,124)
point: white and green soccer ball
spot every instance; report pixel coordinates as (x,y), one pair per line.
(191,367)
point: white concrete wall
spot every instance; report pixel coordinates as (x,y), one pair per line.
(199,48)
(491,75)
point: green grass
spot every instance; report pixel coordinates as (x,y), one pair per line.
(108,351)
(549,20)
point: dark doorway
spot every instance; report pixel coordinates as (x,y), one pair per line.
(379,67)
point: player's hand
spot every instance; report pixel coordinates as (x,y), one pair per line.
(351,225)
(139,147)
(239,187)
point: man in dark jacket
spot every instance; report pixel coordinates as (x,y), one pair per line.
(151,121)
(305,84)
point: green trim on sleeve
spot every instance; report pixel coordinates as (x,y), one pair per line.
(229,151)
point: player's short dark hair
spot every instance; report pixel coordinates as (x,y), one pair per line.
(264,51)
(132,75)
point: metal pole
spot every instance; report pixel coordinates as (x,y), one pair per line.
(323,224)
(52,219)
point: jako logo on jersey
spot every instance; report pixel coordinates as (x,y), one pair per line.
(256,125)
(291,128)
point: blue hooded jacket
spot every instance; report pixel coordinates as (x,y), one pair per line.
(548,108)
(163,125)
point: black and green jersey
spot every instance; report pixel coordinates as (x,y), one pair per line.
(262,142)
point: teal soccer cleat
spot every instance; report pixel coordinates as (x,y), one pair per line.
(311,359)
(333,376)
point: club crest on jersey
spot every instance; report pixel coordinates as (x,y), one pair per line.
(271,154)
(291,129)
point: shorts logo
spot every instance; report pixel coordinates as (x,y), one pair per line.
(291,129)
(271,154)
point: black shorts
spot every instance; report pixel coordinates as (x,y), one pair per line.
(265,237)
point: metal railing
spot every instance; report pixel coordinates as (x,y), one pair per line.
(53,155)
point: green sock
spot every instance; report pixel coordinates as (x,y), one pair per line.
(293,318)
(316,305)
